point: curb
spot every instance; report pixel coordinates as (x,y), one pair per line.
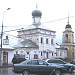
(3,66)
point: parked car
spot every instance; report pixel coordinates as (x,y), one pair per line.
(37,66)
(68,66)
(16,60)
(73,61)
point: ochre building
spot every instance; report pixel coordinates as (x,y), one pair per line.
(68,41)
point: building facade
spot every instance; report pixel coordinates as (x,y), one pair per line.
(68,41)
(36,41)
(6,52)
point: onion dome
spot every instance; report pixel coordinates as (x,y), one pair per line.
(36,13)
(68,26)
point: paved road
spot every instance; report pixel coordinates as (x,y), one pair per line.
(8,71)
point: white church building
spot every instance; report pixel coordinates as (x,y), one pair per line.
(37,41)
(34,41)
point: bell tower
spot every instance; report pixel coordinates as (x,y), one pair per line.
(68,34)
(68,41)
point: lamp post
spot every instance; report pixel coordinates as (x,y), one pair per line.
(73,50)
(1,37)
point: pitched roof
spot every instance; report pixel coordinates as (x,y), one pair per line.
(27,43)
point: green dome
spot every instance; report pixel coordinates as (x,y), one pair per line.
(68,26)
(36,13)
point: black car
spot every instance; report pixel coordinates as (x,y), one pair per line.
(17,60)
(73,61)
(68,66)
(37,66)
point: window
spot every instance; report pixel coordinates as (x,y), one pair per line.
(16,52)
(46,40)
(41,62)
(27,52)
(52,53)
(47,54)
(37,20)
(35,56)
(60,53)
(56,61)
(41,40)
(34,20)
(51,61)
(32,62)
(72,35)
(57,53)
(66,38)
(51,41)
(41,53)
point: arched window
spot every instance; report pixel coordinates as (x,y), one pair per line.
(66,38)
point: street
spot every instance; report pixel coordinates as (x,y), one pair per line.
(8,71)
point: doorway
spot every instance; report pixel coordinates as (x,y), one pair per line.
(5,58)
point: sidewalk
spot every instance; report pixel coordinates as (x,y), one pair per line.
(9,65)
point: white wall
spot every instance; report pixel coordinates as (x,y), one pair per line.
(10,56)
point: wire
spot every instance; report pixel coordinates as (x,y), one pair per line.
(10,35)
(29,25)
(41,23)
(20,35)
(14,26)
(24,38)
(57,20)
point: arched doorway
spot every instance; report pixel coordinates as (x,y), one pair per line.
(5,58)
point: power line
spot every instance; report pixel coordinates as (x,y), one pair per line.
(14,26)
(24,39)
(11,35)
(41,24)
(57,20)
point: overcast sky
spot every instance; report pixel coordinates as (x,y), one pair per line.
(54,14)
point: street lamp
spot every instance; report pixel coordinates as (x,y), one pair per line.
(73,51)
(1,37)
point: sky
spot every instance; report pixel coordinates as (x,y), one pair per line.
(55,15)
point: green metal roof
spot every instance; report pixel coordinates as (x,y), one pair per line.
(27,43)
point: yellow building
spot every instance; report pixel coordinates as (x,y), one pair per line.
(68,41)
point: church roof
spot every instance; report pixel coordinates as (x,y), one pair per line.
(27,43)
(36,13)
(68,26)
(34,27)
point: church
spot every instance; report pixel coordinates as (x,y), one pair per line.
(37,41)
(68,41)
